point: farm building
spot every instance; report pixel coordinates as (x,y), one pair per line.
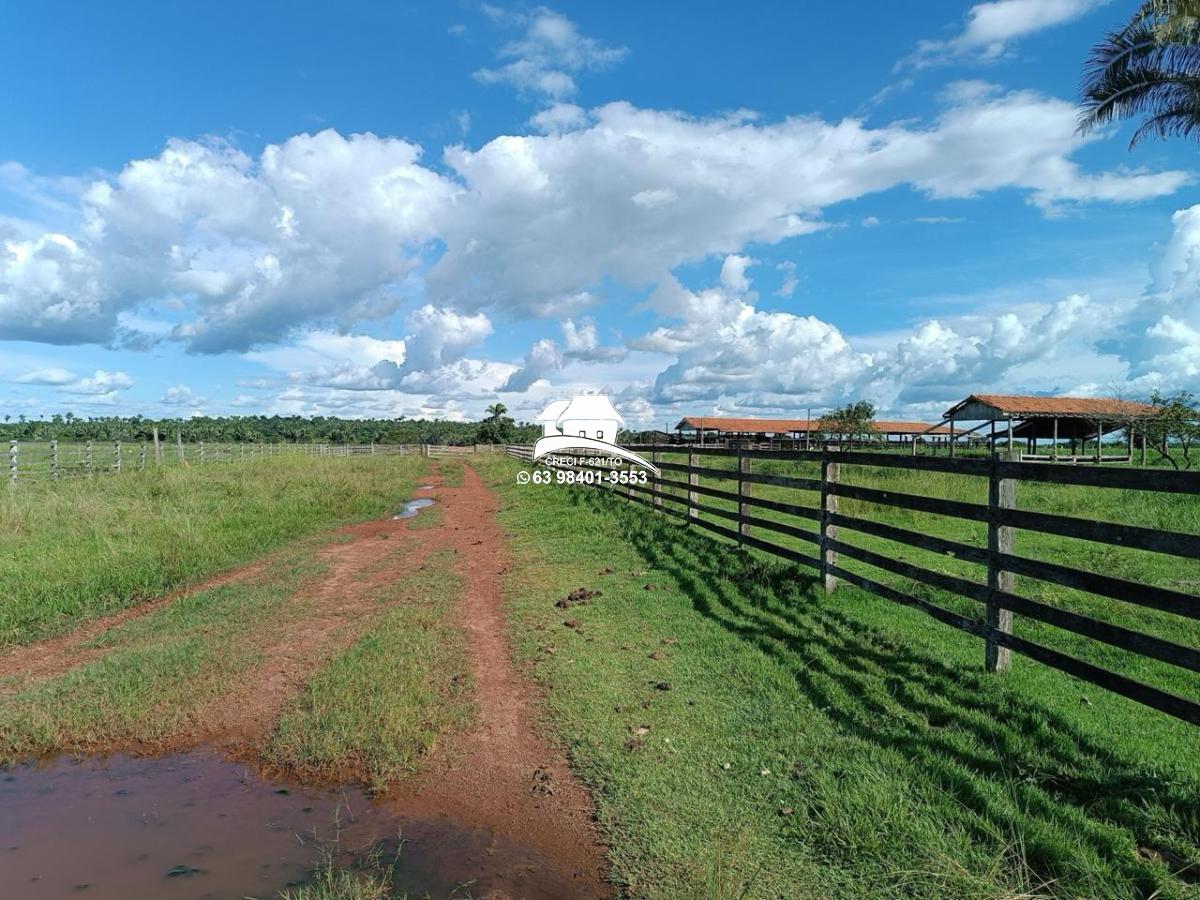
(804,432)
(1068,423)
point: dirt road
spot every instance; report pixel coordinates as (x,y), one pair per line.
(502,774)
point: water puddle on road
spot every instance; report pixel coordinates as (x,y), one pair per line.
(197,826)
(412,507)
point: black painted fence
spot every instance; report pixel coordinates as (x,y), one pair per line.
(1001,517)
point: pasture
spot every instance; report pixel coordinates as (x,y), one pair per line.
(86,547)
(740,732)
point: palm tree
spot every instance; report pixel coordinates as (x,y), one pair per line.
(496,410)
(1149,68)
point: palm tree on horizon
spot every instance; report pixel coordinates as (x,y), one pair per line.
(1148,68)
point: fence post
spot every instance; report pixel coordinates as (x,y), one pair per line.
(830,472)
(1002,494)
(157,448)
(12,462)
(117,457)
(54,460)
(179,444)
(743,492)
(655,500)
(87,458)
(142,457)
(693,481)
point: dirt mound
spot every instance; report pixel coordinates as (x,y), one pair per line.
(577,597)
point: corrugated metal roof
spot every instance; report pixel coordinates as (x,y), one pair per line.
(1018,405)
(784,426)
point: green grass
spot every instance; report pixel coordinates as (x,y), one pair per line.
(429,517)
(451,471)
(375,710)
(813,746)
(85,547)
(335,883)
(160,669)
(369,879)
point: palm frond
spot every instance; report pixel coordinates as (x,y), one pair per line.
(1151,67)
(1176,121)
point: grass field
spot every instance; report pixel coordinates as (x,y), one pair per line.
(79,548)
(366,716)
(747,736)
(160,669)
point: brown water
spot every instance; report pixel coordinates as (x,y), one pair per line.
(197,826)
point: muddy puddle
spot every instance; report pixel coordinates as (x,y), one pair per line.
(198,826)
(412,507)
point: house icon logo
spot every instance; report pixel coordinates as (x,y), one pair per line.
(587,422)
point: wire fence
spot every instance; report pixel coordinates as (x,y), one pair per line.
(55,460)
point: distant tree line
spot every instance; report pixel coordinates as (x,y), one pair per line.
(497,428)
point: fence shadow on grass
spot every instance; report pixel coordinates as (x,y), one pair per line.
(1063,793)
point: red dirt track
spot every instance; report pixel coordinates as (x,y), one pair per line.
(502,774)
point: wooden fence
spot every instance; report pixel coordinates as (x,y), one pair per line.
(40,460)
(680,491)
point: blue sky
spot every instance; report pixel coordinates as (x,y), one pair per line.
(417,209)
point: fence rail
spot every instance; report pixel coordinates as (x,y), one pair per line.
(678,491)
(54,460)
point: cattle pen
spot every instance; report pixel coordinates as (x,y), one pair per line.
(839,512)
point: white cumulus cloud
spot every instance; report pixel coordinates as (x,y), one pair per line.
(992,28)
(52,376)
(99,382)
(545,61)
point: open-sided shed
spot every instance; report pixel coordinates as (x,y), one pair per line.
(1074,420)
(707,429)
